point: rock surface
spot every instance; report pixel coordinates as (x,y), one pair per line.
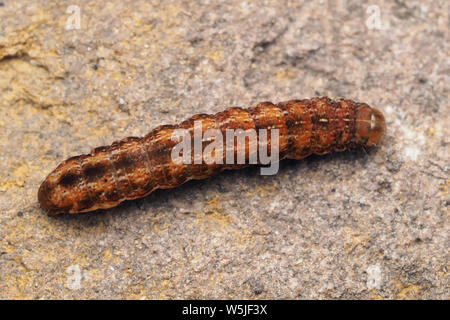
(352,225)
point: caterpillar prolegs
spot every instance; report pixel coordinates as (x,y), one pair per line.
(134,167)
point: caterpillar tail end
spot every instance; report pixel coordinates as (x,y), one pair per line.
(377,128)
(370,126)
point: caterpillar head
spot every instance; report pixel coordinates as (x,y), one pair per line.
(370,126)
(56,194)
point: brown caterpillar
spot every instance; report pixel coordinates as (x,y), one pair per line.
(134,167)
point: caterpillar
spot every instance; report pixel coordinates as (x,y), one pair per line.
(134,167)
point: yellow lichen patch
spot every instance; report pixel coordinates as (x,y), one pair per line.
(44,257)
(244,238)
(264,190)
(98,228)
(108,256)
(195,259)
(156,227)
(135,292)
(17,286)
(7,247)
(444,187)
(7,184)
(215,55)
(164,285)
(373,295)
(407,291)
(50,257)
(214,219)
(214,202)
(21,173)
(93,276)
(353,240)
(18,41)
(442,272)
(158,222)
(285,74)
(25,78)
(213,212)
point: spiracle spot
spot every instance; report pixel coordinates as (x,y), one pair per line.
(93,173)
(69,179)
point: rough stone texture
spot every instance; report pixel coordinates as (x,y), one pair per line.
(351,225)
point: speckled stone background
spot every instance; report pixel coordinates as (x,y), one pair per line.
(358,225)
